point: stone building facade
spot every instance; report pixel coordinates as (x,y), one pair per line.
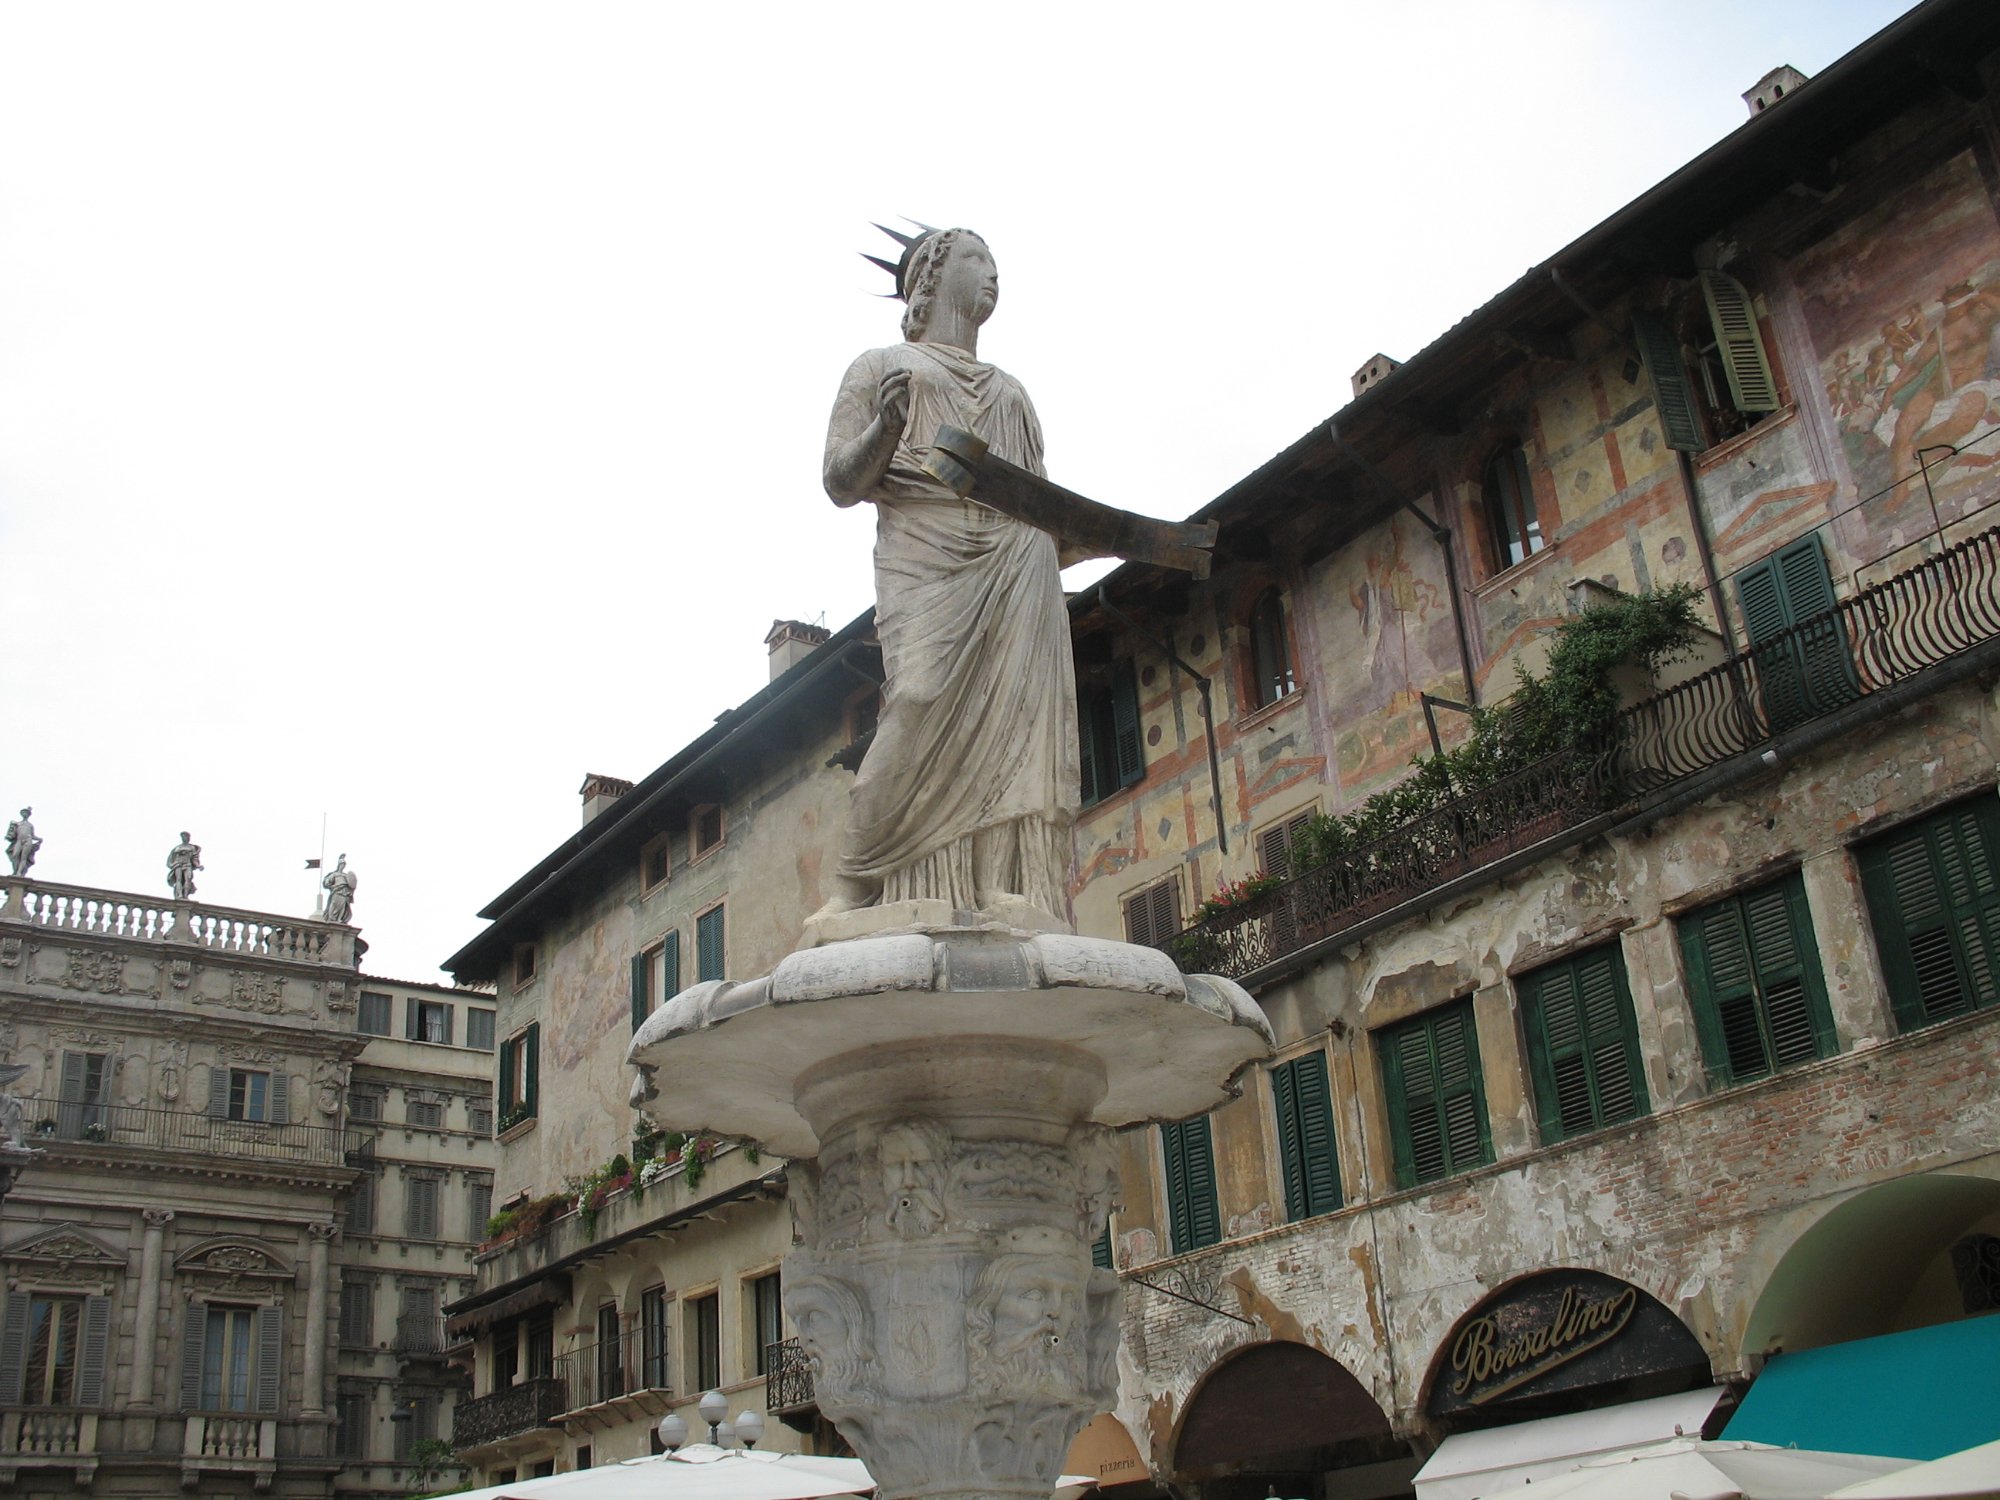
(174,1255)
(1630,1085)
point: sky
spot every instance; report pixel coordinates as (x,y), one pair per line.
(407,408)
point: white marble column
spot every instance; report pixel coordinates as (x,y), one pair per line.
(314,1395)
(146,1331)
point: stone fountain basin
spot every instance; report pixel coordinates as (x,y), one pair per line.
(730,1057)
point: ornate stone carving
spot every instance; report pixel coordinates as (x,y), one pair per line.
(234,1267)
(180,971)
(10,953)
(172,1069)
(339,997)
(85,1039)
(158,1218)
(244,1052)
(263,993)
(95,970)
(327,1233)
(329,1083)
(64,1256)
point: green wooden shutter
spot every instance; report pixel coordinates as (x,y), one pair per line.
(1192,1212)
(1291,1142)
(505,1091)
(1734,318)
(1673,396)
(1931,891)
(1307,1158)
(1125,724)
(194,1327)
(13,1348)
(96,1352)
(531,1040)
(413,1030)
(1583,1045)
(1460,1091)
(1100,1251)
(1437,1098)
(1088,749)
(269,1341)
(710,958)
(641,1001)
(1798,641)
(670,965)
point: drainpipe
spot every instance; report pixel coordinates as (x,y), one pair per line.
(1439,534)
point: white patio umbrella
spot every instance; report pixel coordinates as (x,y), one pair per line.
(1692,1469)
(1971,1474)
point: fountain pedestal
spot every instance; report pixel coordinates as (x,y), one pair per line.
(947,1097)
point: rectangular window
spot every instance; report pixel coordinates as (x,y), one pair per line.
(350,1439)
(710,946)
(656,977)
(1754,978)
(1274,853)
(249,1095)
(357,1314)
(1799,650)
(420,1426)
(479,1116)
(479,1028)
(705,830)
(1304,1105)
(1107,721)
(1189,1155)
(653,1339)
(1154,915)
(767,1321)
(524,963)
(656,862)
(538,1341)
(1933,889)
(704,1342)
(373,1017)
(361,1205)
(1583,1044)
(428,1021)
(228,1358)
(86,1095)
(1436,1096)
(519,1067)
(420,1207)
(610,1353)
(54,1351)
(364,1104)
(428,1113)
(478,1207)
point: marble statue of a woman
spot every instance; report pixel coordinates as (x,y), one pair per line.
(970,786)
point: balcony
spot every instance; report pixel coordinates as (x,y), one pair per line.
(188,924)
(229,1443)
(108,1132)
(788,1382)
(611,1381)
(420,1336)
(519,1409)
(46,1438)
(1910,634)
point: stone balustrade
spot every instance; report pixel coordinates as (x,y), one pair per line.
(195,924)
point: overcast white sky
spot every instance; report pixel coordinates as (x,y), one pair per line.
(406,408)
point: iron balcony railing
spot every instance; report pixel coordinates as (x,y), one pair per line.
(504,1414)
(420,1334)
(612,1368)
(1883,636)
(123,1127)
(788,1378)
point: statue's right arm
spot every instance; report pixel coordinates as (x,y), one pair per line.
(868,420)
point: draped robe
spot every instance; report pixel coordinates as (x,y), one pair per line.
(970,785)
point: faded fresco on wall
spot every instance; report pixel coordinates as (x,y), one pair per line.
(1386,634)
(1904,308)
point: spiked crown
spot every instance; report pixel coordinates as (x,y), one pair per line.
(900,268)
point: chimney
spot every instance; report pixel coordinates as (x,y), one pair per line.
(599,792)
(791,642)
(1372,372)
(1773,86)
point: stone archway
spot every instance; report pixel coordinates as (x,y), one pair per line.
(1879,1263)
(1281,1413)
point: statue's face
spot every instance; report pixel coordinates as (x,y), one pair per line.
(968,279)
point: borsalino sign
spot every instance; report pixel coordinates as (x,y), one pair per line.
(1559,1331)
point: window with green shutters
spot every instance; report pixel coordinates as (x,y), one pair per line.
(520,1076)
(710,950)
(656,977)
(1100,1250)
(1754,978)
(1798,643)
(1933,893)
(1306,1156)
(1583,1044)
(1437,1099)
(1193,1220)
(1107,720)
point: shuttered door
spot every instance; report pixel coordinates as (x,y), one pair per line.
(1932,891)
(531,1066)
(1274,853)
(1759,996)
(1583,1044)
(642,1001)
(1306,1154)
(1798,641)
(1437,1099)
(1673,396)
(1188,1152)
(1125,724)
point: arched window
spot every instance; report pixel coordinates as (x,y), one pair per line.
(1510,508)
(1270,659)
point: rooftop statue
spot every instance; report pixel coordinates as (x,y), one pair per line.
(968,791)
(22,844)
(340,884)
(182,861)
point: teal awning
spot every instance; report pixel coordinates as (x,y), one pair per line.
(1916,1395)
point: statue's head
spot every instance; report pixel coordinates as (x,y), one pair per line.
(950,268)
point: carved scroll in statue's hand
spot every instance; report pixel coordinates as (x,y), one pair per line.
(1084,528)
